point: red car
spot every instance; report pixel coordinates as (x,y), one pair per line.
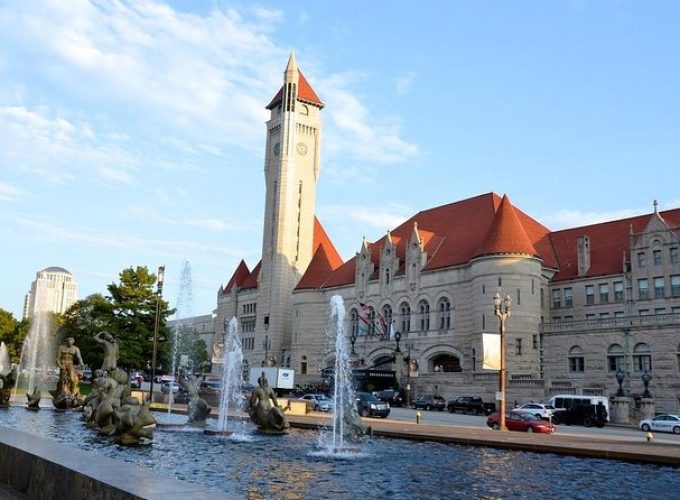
(523,422)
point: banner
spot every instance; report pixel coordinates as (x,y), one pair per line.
(491,343)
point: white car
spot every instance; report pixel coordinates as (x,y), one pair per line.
(661,423)
(320,402)
(538,409)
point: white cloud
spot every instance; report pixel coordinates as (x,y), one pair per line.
(10,193)
(404,83)
(563,219)
(115,175)
(382,218)
(357,133)
(207,224)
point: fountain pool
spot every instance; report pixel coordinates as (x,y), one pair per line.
(291,466)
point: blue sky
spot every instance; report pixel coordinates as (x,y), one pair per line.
(132,133)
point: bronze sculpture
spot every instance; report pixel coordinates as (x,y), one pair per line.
(268,417)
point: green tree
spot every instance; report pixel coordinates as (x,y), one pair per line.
(13,333)
(128,313)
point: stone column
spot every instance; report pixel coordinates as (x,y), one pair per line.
(647,408)
(620,411)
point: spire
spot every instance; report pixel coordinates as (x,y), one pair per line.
(291,69)
(656,207)
(304,92)
(506,234)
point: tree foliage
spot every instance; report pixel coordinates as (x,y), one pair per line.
(13,333)
(128,313)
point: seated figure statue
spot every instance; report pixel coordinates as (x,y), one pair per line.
(132,420)
(7,383)
(268,417)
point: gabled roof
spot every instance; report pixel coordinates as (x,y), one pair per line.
(609,242)
(506,234)
(251,280)
(321,239)
(326,259)
(452,234)
(239,276)
(305,93)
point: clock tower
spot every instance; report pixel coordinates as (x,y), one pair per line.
(291,171)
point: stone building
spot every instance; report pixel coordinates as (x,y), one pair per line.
(587,301)
(53,290)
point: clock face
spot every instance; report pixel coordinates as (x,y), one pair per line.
(277,149)
(302,148)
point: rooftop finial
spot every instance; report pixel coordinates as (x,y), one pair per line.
(656,207)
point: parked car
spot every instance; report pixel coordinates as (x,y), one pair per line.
(429,402)
(661,423)
(470,404)
(320,402)
(522,422)
(166,387)
(540,410)
(370,406)
(134,382)
(391,397)
(580,413)
(209,388)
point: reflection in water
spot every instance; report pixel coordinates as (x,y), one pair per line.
(275,467)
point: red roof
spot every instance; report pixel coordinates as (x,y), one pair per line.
(506,235)
(305,93)
(251,281)
(609,241)
(452,234)
(241,273)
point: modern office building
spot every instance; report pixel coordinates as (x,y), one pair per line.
(587,302)
(54,290)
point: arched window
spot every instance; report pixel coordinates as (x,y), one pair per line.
(387,276)
(642,358)
(444,314)
(615,358)
(405,310)
(354,322)
(576,361)
(424,309)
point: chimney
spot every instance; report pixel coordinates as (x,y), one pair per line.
(583,244)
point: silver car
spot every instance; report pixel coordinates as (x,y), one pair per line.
(320,402)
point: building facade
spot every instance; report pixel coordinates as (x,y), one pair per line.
(53,290)
(587,302)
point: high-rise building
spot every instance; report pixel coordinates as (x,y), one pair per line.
(54,290)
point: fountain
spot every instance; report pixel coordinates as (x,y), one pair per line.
(231,397)
(183,310)
(343,438)
(38,356)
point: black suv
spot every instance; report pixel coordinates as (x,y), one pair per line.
(370,406)
(391,397)
(429,403)
(470,404)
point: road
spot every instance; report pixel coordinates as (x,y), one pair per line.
(444,418)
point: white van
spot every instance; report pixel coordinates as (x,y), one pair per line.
(572,402)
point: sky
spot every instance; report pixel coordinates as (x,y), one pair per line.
(132,133)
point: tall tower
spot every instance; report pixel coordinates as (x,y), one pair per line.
(291,171)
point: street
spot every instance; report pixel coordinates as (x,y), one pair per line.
(445,418)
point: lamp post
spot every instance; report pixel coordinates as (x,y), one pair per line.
(159,295)
(620,375)
(646,377)
(501,309)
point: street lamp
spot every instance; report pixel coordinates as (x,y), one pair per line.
(501,308)
(159,294)
(646,377)
(620,376)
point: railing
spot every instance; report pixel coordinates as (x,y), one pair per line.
(613,322)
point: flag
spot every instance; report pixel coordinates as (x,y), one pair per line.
(385,331)
(364,312)
(491,344)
